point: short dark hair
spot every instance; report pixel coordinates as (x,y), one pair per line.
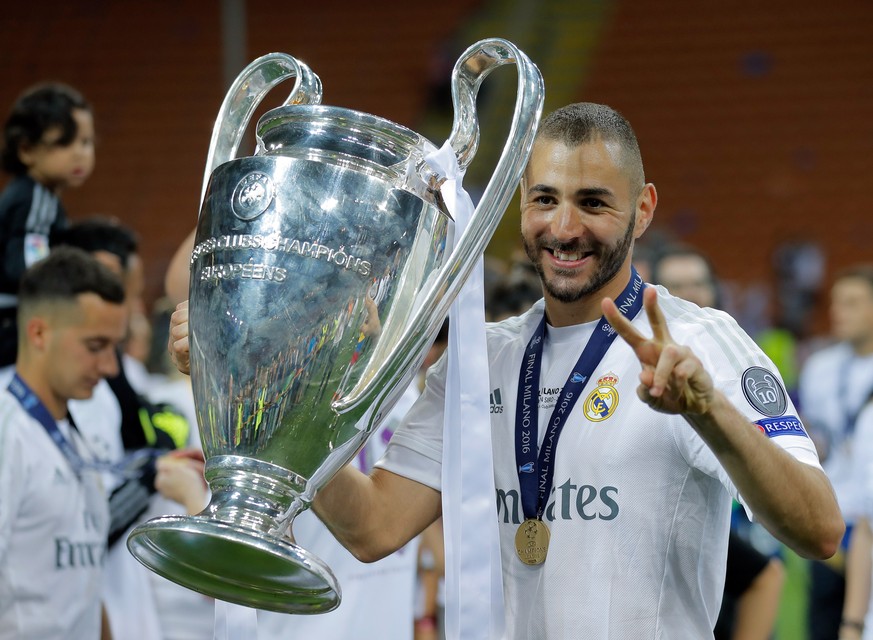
(686,251)
(679,251)
(100,234)
(584,122)
(66,273)
(38,109)
(856,272)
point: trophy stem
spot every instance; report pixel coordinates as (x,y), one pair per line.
(231,550)
(253,494)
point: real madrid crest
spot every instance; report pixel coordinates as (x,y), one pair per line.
(603,400)
(252,195)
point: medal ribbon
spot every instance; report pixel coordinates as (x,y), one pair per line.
(535,474)
(130,467)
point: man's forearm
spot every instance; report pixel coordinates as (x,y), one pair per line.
(803,513)
(858,578)
(373,516)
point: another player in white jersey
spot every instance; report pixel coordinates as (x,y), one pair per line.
(53,508)
(613,485)
(834,385)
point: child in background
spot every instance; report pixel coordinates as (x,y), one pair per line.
(48,146)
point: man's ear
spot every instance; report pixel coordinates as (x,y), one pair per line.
(37,329)
(26,154)
(646,203)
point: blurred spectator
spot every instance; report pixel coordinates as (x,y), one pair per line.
(126,421)
(835,383)
(688,274)
(48,146)
(515,292)
(857,619)
(753,583)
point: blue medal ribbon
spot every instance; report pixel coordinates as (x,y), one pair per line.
(536,473)
(132,466)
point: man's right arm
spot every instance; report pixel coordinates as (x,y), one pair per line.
(375,515)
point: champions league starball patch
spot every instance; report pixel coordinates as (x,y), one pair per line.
(603,401)
(764,391)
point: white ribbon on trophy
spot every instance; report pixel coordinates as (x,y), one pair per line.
(235,622)
(474,579)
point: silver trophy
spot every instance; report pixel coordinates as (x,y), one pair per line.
(322,270)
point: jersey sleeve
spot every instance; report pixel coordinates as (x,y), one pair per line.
(12,476)
(752,383)
(415,449)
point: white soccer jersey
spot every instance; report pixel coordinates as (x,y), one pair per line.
(834,384)
(640,507)
(53,530)
(377,598)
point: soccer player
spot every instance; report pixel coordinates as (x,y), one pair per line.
(53,509)
(613,484)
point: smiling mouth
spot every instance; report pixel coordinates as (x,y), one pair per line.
(568,256)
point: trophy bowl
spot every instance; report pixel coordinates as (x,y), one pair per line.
(323,266)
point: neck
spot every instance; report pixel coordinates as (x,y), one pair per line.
(55,189)
(566,314)
(863,346)
(56,406)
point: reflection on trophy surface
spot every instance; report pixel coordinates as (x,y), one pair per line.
(323,267)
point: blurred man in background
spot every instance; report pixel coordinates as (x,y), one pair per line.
(753,583)
(835,383)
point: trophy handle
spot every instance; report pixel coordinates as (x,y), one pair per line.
(244,96)
(471,68)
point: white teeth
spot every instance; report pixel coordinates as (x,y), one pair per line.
(560,255)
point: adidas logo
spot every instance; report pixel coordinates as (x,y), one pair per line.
(496,401)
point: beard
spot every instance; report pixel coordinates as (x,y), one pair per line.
(560,285)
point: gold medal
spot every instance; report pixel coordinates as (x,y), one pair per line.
(532,541)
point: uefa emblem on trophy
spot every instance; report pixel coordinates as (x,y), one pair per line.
(335,223)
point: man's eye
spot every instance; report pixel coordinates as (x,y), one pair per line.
(95,347)
(592,203)
(544,200)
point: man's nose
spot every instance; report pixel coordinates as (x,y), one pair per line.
(567,223)
(109,363)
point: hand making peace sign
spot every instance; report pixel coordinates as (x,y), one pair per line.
(673,379)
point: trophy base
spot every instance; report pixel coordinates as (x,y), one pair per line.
(236,565)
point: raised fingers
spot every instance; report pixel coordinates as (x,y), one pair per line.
(622,325)
(668,367)
(658,322)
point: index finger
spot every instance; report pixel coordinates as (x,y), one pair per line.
(621,324)
(657,321)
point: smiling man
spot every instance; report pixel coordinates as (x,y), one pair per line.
(615,461)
